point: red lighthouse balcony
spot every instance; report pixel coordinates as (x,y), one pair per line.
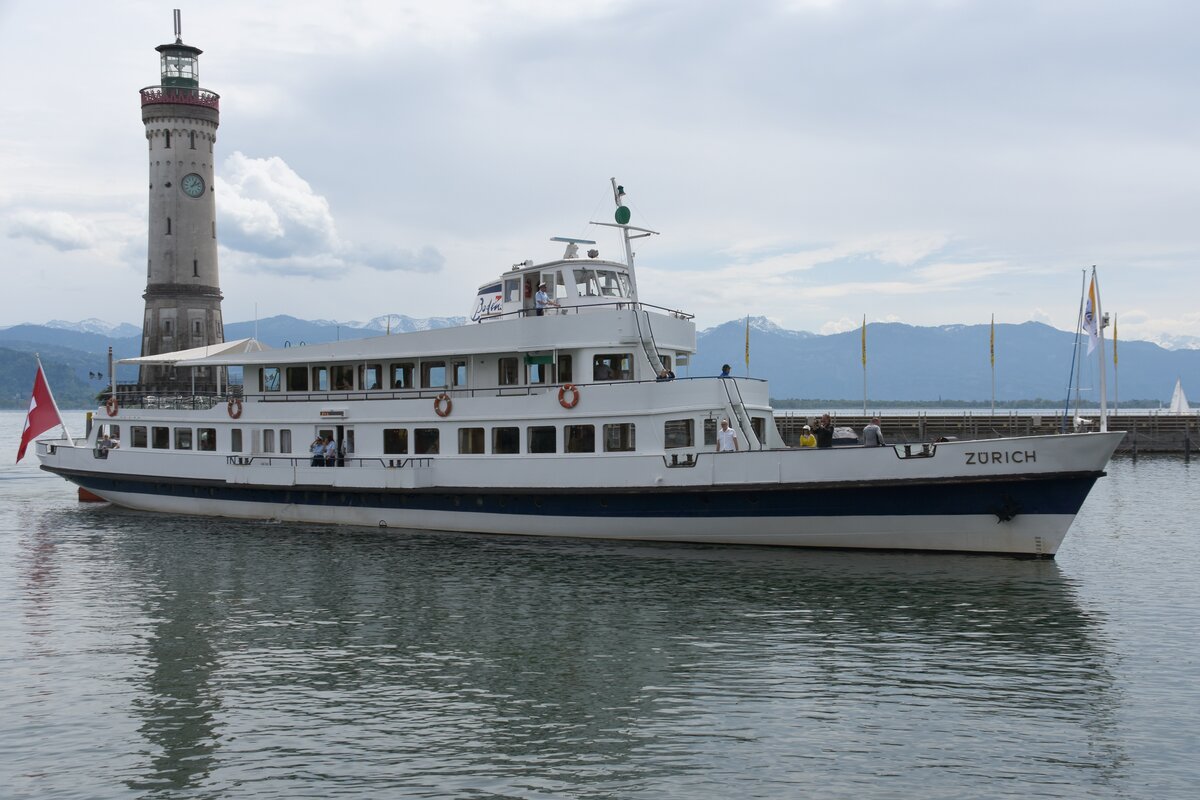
(181,95)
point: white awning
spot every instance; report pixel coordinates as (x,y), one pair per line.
(198,354)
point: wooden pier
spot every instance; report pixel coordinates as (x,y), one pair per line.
(1145,433)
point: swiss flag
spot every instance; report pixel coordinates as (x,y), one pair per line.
(43,413)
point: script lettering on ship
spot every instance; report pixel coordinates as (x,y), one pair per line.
(1001,457)
(489,302)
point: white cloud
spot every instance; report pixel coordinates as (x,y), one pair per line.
(55,229)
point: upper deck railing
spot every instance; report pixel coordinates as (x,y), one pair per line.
(564,308)
(180,95)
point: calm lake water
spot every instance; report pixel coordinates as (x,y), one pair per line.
(149,656)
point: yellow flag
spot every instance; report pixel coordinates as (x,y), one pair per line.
(992,342)
(864,337)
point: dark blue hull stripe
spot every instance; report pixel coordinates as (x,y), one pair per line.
(1058,494)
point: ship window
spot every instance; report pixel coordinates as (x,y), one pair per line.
(506,441)
(537,373)
(370,376)
(612,367)
(470,441)
(235,440)
(759,426)
(626,289)
(609,284)
(183,438)
(579,438)
(433,374)
(395,441)
(206,439)
(297,379)
(268,441)
(285,440)
(619,437)
(508,371)
(168,226)
(542,439)
(710,432)
(564,369)
(137,436)
(343,378)
(402,376)
(678,433)
(160,438)
(425,441)
(268,378)
(459,370)
(585,283)
(512,290)
(320,379)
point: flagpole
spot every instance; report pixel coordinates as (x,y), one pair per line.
(864,360)
(1100,327)
(747,345)
(992,354)
(37,357)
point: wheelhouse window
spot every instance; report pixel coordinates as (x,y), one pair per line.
(579,438)
(206,439)
(343,378)
(433,374)
(268,378)
(426,441)
(542,439)
(160,438)
(183,438)
(297,379)
(320,379)
(470,441)
(395,441)
(679,433)
(619,437)
(402,375)
(612,367)
(137,436)
(370,377)
(506,441)
(508,371)
(512,290)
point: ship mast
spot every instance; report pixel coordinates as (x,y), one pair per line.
(622,217)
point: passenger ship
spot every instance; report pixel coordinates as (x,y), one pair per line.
(558,425)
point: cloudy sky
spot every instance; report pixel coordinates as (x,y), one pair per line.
(810,161)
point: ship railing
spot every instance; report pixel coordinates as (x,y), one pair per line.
(272,460)
(564,308)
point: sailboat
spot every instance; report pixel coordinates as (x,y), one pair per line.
(1179,403)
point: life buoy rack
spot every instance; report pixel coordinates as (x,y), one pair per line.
(562,395)
(111,406)
(442,405)
(234,407)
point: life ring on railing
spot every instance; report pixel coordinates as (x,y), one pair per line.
(234,407)
(442,405)
(562,395)
(111,406)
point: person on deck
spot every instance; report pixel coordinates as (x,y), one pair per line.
(727,441)
(824,433)
(873,434)
(541,300)
(806,437)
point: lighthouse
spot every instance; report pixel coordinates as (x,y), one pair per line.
(183,292)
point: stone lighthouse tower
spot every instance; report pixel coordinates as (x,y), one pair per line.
(183,292)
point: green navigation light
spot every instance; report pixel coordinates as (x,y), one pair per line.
(622,215)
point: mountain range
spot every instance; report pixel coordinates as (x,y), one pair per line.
(904,362)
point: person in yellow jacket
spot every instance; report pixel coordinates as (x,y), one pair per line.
(806,438)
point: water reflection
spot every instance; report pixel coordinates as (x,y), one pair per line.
(281,656)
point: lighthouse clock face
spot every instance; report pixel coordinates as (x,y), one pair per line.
(192,185)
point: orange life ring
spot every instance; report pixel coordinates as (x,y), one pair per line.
(111,406)
(442,405)
(562,395)
(234,407)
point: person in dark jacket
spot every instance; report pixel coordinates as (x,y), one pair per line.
(824,432)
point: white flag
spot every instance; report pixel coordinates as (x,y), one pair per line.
(1090,323)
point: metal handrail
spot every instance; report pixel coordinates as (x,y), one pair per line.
(635,305)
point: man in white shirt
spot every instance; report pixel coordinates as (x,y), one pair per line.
(541,300)
(727,441)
